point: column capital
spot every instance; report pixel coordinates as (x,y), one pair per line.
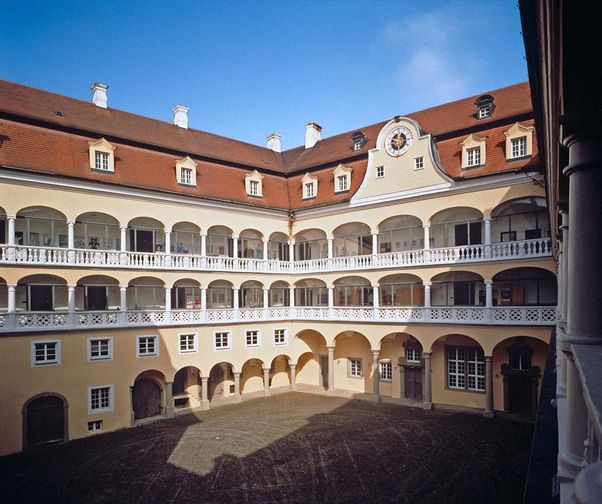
(265,240)
(376,285)
(427,355)
(375,353)
(235,289)
(203,233)
(123,227)
(488,358)
(11,286)
(204,379)
(330,286)
(266,370)
(374,232)
(488,282)
(426,226)
(11,217)
(167,230)
(70,223)
(330,348)
(427,284)
(291,241)
(266,289)
(236,373)
(204,289)
(293,365)
(71,286)
(123,288)
(167,288)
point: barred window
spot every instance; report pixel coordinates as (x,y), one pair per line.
(466,368)
(386,371)
(412,355)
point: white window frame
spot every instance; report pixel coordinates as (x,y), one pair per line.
(358,145)
(103,358)
(285,337)
(342,184)
(310,186)
(309,190)
(104,147)
(195,343)
(106,409)
(156,352)
(255,345)
(380,171)
(413,351)
(518,147)
(473,157)
(55,362)
(516,132)
(342,171)
(229,341)
(485,111)
(101,160)
(389,365)
(94,425)
(252,189)
(419,163)
(471,142)
(186,176)
(352,369)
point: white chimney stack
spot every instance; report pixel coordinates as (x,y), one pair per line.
(312,134)
(274,142)
(180,116)
(99,94)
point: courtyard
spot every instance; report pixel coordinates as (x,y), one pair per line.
(293,447)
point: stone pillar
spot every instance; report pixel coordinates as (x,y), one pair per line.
(374,242)
(561,345)
(71,241)
(12,298)
(266,381)
(235,301)
(375,300)
(265,249)
(132,416)
(266,298)
(203,298)
(375,373)
(487,221)
(330,247)
(427,300)
(123,297)
(330,301)
(428,402)
(204,393)
(489,300)
(123,257)
(291,250)
(203,244)
(237,396)
(427,242)
(168,242)
(293,368)
(168,304)
(291,301)
(330,370)
(71,298)
(169,399)
(235,246)
(488,388)
(11,229)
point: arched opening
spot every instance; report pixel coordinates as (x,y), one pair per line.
(185,239)
(41,293)
(353,362)
(186,295)
(251,378)
(45,420)
(220,295)
(352,239)
(401,290)
(3,226)
(97,231)
(311,244)
(279,294)
(3,295)
(147,394)
(311,292)
(458,288)
(525,287)
(401,366)
(221,381)
(146,293)
(146,235)
(455,227)
(250,294)
(187,388)
(278,249)
(312,365)
(41,227)
(353,291)
(250,244)
(97,293)
(400,233)
(280,372)
(219,241)
(520,219)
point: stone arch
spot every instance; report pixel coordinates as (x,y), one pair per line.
(185,238)
(97,230)
(251,378)
(280,373)
(400,233)
(221,380)
(45,419)
(187,388)
(352,239)
(148,394)
(456,226)
(353,362)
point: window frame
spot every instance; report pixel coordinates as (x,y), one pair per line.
(419,163)
(55,362)
(351,365)
(388,364)
(380,171)
(95,425)
(91,339)
(111,400)
(465,373)
(195,345)
(342,181)
(101,160)
(257,336)
(228,346)
(142,355)
(513,142)
(284,337)
(476,157)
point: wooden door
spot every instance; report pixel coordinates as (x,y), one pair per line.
(41,298)
(413,383)
(520,395)
(96,298)
(45,421)
(146,398)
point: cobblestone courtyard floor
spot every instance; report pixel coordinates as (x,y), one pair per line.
(290,448)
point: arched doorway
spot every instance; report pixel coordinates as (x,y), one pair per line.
(147,395)
(45,419)
(221,380)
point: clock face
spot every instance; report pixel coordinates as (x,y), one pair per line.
(398,141)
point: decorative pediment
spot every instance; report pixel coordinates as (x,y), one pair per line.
(342,178)
(186,171)
(519,141)
(309,184)
(474,151)
(254,184)
(101,155)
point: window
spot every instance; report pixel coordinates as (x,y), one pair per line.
(188,343)
(100,399)
(380,171)
(100,349)
(465,368)
(101,161)
(358,140)
(309,190)
(342,178)
(254,185)
(342,183)
(357,145)
(45,352)
(147,346)
(419,163)
(484,106)
(95,425)
(279,336)
(413,355)
(474,156)
(519,147)
(386,371)
(222,341)
(252,338)
(186,176)
(355,368)
(485,112)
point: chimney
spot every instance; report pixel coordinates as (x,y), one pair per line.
(99,94)
(274,142)
(312,134)
(180,116)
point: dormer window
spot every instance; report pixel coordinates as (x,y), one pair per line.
(101,155)
(474,149)
(358,140)
(310,186)
(519,141)
(341,183)
(254,184)
(186,172)
(484,106)
(519,147)
(473,156)
(342,178)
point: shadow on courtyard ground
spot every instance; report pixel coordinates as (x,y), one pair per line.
(289,448)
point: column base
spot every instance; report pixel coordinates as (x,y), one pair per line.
(427,405)
(294,388)
(205,404)
(488,414)
(169,413)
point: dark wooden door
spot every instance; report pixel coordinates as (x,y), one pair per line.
(45,420)
(146,398)
(144,241)
(413,383)
(519,395)
(461,293)
(461,234)
(97,298)
(41,297)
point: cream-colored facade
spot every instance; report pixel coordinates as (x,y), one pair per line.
(420,287)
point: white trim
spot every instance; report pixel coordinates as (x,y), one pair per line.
(155,354)
(55,362)
(89,348)
(285,342)
(111,406)
(224,348)
(258,331)
(195,342)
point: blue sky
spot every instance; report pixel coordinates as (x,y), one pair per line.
(246,69)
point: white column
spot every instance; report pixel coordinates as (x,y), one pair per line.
(167,299)
(11,229)
(71,298)
(266,381)
(123,238)
(168,242)
(427,236)
(70,234)
(293,368)
(235,246)
(237,396)
(375,373)
(203,244)
(203,298)
(488,388)
(266,297)
(235,300)
(375,299)
(374,242)
(330,301)
(169,399)
(123,298)
(265,248)
(291,250)
(330,370)
(291,301)
(489,300)
(12,298)
(487,221)
(427,300)
(204,393)
(330,240)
